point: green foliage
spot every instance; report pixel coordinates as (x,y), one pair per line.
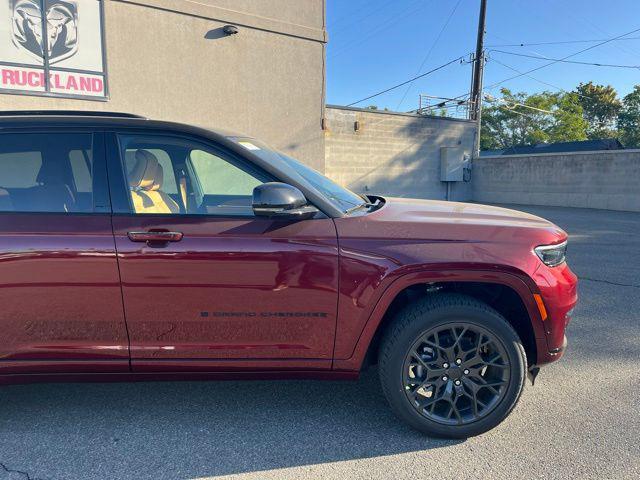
(629,119)
(601,106)
(569,124)
(590,112)
(521,119)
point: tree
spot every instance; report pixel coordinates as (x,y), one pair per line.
(569,124)
(521,119)
(601,106)
(629,119)
(506,122)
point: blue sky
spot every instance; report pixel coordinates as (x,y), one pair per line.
(375,44)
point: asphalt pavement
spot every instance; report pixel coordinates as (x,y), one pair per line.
(580,421)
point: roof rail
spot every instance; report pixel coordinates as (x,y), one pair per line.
(67,113)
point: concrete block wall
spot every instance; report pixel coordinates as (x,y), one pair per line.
(604,179)
(391,153)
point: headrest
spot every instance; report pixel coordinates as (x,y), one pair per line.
(147,173)
(50,174)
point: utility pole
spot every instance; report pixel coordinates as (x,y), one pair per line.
(478,73)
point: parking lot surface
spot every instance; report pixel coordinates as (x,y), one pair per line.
(581,420)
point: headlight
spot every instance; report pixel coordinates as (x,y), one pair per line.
(552,255)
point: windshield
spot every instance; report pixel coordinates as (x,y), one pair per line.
(341,197)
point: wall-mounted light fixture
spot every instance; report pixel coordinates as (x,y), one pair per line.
(230,29)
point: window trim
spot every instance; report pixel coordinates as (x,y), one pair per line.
(101,203)
(118,178)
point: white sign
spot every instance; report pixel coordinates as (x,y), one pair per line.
(52,47)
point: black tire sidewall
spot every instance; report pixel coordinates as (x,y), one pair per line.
(417,320)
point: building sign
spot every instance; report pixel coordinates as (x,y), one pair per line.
(53,48)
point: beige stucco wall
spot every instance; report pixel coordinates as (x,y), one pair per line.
(299,12)
(267,81)
(393,154)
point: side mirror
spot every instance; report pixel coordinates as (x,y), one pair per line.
(279,200)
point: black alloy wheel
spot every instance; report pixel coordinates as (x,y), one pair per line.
(456,373)
(451,366)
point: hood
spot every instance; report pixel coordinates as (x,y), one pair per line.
(407,234)
(457,213)
(440,220)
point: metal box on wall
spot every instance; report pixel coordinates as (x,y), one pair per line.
(452,161)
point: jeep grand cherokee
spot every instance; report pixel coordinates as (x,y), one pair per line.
(133,249)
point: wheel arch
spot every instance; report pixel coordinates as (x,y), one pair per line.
(508,294)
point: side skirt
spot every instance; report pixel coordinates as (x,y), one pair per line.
(179,376)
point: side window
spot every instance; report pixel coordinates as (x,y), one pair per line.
(169,175)
(81,169)
(46,172)
(219,177)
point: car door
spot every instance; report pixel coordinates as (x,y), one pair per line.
(206,284)
(59,284)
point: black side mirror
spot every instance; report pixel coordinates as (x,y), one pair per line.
(279,200)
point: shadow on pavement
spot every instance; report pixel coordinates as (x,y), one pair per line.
(190,430)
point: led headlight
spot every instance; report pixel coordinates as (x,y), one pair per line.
(552,255)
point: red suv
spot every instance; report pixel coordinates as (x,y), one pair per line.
(133,249)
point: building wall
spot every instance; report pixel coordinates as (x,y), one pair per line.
(604,179)
(393,154)
(167,59)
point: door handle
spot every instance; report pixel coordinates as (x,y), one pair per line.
(160,237)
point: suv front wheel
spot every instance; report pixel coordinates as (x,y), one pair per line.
(451,366)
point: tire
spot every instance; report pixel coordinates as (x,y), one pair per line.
(462,319)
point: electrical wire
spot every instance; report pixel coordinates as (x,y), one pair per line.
(564,42)
(428,55)
(538,80)
(457,59)
(517,104)
(352,20)
(375,31)
(595,64)
(563,58)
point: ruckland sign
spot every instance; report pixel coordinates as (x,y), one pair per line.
(52,48)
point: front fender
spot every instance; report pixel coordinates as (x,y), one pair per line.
(362,330)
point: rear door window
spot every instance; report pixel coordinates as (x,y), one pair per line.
(46,172)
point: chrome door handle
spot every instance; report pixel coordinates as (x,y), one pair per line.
(161,237)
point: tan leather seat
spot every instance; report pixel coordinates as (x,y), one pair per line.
(145,181)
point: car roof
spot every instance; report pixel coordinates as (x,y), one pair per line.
(30,118)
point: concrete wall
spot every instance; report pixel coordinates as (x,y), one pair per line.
(167,60)
(391,153)
(605,179)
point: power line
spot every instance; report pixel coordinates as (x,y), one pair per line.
(575,13)
(537,79)
(428,55)
(350,17)
(517,104)
(564,42)
(564,58)
(376,30)
(457,59)
(528,115)
(594,64)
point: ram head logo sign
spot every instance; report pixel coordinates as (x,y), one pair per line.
(60,28)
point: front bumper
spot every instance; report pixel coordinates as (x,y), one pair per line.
(559,291)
